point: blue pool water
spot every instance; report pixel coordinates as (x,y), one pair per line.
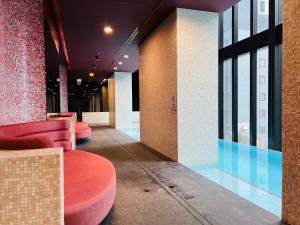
(252,173)
(132,132)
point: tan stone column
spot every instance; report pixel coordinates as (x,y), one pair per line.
(291,113)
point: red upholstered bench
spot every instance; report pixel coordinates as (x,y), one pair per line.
(89,179)
(90,188)
(57,131)
(82,124)
(82,131)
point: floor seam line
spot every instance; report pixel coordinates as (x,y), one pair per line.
(195,213)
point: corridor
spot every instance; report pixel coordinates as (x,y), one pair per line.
(153,190)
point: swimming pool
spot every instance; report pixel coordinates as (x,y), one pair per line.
(133,132)
(250,172)
(253,173)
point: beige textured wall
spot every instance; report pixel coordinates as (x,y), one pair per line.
(111,101)
(291,112)
(197,86)
(105,98)
(180,59)
(31,184)
(158,84)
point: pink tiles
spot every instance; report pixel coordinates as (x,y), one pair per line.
(63,88)
(22,62)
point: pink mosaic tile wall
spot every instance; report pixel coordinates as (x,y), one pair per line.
(22,61)
(63,88)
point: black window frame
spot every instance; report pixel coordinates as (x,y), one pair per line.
(271,38)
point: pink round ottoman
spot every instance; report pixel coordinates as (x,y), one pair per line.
(90,188)
(82,132)
(83,124)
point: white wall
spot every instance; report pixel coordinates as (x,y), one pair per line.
(120,100)
(197,86)
(96,118)
(136,117)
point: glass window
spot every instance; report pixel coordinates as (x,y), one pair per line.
(227,79)
(262,97)
(279,9)
(243,19)
(227,27)
(244,98)
(262,15)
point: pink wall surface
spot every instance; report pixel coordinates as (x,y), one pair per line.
(63,88)
(22,62)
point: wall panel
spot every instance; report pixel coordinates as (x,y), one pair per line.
(22,62)
(291,112)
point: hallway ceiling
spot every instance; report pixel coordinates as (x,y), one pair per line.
(83,23)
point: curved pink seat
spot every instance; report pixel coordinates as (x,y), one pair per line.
(82,124)
(90,188)
(67,114)
(89,179)
(82,132)
(56,131)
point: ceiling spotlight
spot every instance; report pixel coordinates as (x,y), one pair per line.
(115,68)
(97,57)
(120,63)
(92,74)
(94,66)
(108,30)
(126,56)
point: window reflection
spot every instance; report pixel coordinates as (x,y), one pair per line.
(262,15)
(243,19)
(262,97)
(227,72)
(244,99)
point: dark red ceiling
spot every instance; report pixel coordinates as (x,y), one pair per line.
(83,23)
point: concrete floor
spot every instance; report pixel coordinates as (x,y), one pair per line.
(152,190)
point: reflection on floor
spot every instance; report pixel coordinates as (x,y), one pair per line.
(154,191)
(252,173)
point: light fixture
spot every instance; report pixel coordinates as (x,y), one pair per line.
(120,63)
(126,56)
(92,74)
(108,30)
(115,68)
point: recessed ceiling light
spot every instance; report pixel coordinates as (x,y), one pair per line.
(108,30)
(126,56)
(120,63)
(92,74)
(115,68)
